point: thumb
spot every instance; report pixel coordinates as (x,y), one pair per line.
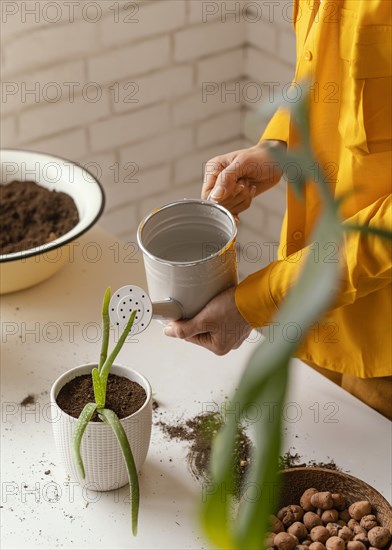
(226,182)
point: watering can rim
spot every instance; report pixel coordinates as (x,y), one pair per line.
(186,201)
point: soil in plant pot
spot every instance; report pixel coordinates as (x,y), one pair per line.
(200,432)
(123,396)
(32,215)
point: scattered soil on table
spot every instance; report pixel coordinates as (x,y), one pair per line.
(329,465)
(32,215)
(155,405)
(294,460)
(200,432)
(123,396)
(28,400)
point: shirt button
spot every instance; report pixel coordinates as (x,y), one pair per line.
(297,235)
(308,55)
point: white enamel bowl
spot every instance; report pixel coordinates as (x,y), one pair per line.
(24,269)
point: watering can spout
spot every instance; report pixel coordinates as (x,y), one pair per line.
(133,298)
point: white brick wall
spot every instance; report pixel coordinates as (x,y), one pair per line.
(43,86)
(130,60)
(218,128)
(159,150)
(222,67)
(206,11)
(70,145)
(207,38)
(127,128)
(157,86)
(48,44)
(142,20)
(8,131)
(47,119)
(144,93)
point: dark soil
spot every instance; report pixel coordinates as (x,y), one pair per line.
(200,432)
(123,396)
(28,400)
(32,215)
(155,405)
(294,460)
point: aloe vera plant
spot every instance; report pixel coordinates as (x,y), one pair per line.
(100,376)
(265,377)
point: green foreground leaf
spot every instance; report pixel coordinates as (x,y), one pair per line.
(384,233)
(265,379)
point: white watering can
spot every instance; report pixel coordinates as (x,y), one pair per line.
(189,256)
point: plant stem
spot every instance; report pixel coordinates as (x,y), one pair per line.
(99,395)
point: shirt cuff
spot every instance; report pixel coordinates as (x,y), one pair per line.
(254,300)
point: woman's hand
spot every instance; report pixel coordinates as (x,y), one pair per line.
(233,179)
(218,327)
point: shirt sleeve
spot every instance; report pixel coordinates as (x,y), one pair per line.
(365,262)
(278,127)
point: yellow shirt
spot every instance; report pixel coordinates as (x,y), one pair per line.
(345,48)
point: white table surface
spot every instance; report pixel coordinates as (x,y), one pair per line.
(54,328)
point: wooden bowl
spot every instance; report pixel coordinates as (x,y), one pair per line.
(297,480)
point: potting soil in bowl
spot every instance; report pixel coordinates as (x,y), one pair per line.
(32,215)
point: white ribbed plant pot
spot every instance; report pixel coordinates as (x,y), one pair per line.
(102,457)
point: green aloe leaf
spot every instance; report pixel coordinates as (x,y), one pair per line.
(105,330)
(84,418)
(104,373)
(112,419)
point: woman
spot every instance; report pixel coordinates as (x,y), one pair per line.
(344,48)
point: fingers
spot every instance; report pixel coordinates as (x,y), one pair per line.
(218,327)
(212,342)
(241,201)
(185,329)
(211,172)
(203,339)
(226,183)
(202,334)
(225,172)
(220,178)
